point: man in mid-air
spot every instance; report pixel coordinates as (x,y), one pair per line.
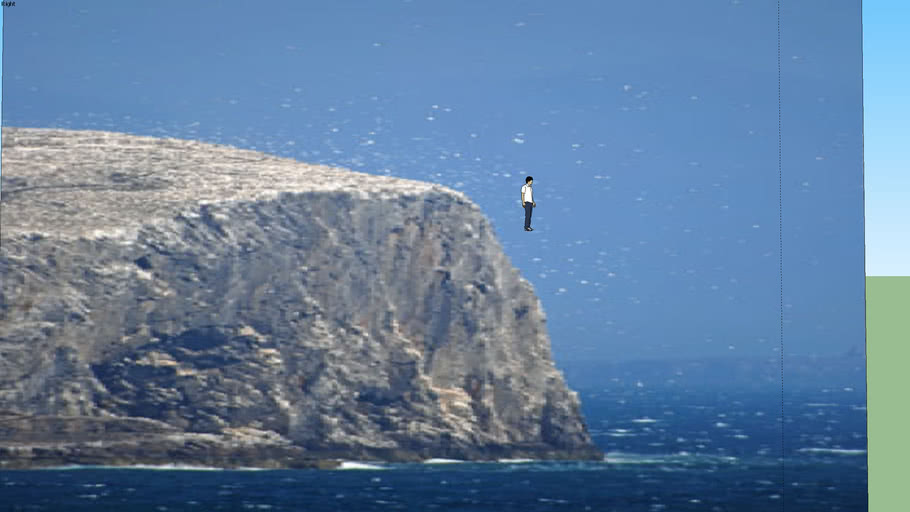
(527,201)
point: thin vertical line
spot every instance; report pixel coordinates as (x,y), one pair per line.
(862,96)
(1,84)
(780,224)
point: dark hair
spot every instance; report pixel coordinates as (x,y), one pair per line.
(528,179)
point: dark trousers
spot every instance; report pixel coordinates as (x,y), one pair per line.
(529,208)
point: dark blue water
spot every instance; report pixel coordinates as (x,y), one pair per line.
(669,448)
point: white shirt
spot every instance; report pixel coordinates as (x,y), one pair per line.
(528,193)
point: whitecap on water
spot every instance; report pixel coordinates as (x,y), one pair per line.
(161,467)
(832,451)
(683,458)
(359,465)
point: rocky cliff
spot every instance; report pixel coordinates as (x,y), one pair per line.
(172,301)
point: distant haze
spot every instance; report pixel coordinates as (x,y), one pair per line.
(651,130)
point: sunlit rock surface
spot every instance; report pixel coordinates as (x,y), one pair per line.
(172,301)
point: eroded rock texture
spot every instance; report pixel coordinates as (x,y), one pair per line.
(162,290)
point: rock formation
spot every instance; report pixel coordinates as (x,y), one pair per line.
(173,301)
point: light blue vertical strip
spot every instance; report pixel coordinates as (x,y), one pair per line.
(1,88)
(886,110)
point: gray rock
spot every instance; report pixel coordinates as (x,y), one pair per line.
(319,313)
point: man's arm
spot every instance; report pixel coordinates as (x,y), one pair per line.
(522,196)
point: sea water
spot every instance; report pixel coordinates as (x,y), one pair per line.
(667,449)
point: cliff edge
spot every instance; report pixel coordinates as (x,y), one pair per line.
(171,301)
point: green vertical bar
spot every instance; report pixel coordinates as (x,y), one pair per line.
(888,391)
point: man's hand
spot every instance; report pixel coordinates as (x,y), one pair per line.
(534,205)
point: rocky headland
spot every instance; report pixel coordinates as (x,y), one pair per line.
(169,301)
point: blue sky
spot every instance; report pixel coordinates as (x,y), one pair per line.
(887,109)
(651,132)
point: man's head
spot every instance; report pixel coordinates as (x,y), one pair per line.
(528,180)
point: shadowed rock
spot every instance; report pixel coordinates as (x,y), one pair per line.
(310,312)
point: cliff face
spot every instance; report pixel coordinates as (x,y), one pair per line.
(221,299)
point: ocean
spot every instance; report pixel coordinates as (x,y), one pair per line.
(669,447)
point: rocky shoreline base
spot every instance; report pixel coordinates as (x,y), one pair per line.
(36,442)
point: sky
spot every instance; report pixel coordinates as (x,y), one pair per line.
(650,128)
(887,109)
